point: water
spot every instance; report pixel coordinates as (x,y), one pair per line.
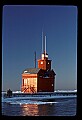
(22,107)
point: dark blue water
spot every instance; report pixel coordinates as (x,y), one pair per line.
(59,107)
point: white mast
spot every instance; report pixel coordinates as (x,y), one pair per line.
(42,41)
(45,45)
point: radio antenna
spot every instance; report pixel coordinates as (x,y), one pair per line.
(42,42)
(45,45)
(35,59)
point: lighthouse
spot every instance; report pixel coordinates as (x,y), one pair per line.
(41,79)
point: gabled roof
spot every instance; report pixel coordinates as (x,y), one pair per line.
(31,71)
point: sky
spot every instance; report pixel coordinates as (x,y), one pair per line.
(22,27)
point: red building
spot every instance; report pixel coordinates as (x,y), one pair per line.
(41,79)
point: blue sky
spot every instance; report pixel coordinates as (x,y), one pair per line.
(22,36)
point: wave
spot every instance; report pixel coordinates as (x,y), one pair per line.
(19,101)
(32,100)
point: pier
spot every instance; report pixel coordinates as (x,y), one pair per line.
(41,95)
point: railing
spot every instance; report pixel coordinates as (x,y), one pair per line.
(30,88)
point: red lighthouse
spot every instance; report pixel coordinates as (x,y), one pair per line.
(41,79)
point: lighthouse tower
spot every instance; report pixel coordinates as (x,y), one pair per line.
(44,63)
(41,79)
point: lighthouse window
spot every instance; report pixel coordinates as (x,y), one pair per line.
(25,81)
(52,84)
(41,62)
(42,55)
(47,56)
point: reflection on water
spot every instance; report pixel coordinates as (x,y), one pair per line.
(34,109)
(60,107)
(29,109)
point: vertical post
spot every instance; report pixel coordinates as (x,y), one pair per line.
(35,60)
(45,45)
(42,41)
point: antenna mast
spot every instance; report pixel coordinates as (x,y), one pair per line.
(45,45)
(35,60)
(42,41)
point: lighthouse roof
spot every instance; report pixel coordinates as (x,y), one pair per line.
(31,71)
